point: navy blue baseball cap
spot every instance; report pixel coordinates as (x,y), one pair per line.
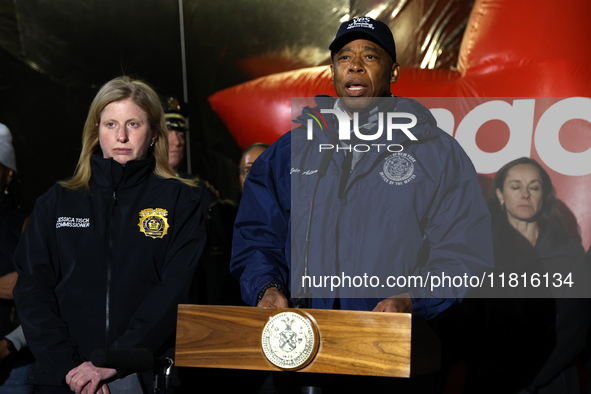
(364,28)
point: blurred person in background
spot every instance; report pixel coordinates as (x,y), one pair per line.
(109,254)
(15,358)
(528,343)
(175,115)
(213,283)
(249,155)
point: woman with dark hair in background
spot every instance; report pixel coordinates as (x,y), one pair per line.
(527,343)
(108,255)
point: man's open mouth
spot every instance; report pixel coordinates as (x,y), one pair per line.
(355,89)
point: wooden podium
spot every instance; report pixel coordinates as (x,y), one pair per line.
(349,342)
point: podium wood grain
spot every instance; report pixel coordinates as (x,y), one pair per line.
(350,342)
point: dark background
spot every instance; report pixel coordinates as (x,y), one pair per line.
(54,55)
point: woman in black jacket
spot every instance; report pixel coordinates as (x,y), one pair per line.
(526,335)
(109,254)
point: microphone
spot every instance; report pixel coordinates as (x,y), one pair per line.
(303,299)
(136,360)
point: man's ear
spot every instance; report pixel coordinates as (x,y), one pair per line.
(332,73)
(395,73)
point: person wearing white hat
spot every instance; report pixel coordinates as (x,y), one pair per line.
(16,358)
(7,160)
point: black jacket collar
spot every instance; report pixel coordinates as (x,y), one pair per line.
(109,173)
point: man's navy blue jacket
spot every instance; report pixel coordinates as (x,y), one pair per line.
(417,212)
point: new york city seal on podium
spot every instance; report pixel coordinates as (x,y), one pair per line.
(290,340)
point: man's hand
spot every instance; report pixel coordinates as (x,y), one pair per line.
(87,379)
(273,298)
(7,283)
(4,352)
(400,303)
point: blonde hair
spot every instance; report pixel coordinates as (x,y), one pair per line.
(118,89)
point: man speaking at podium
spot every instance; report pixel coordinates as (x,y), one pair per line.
(368,205)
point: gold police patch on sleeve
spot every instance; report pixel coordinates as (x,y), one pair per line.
(153,222)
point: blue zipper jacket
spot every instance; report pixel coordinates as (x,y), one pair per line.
(419,212)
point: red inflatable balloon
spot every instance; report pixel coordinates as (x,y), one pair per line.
(526,61)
